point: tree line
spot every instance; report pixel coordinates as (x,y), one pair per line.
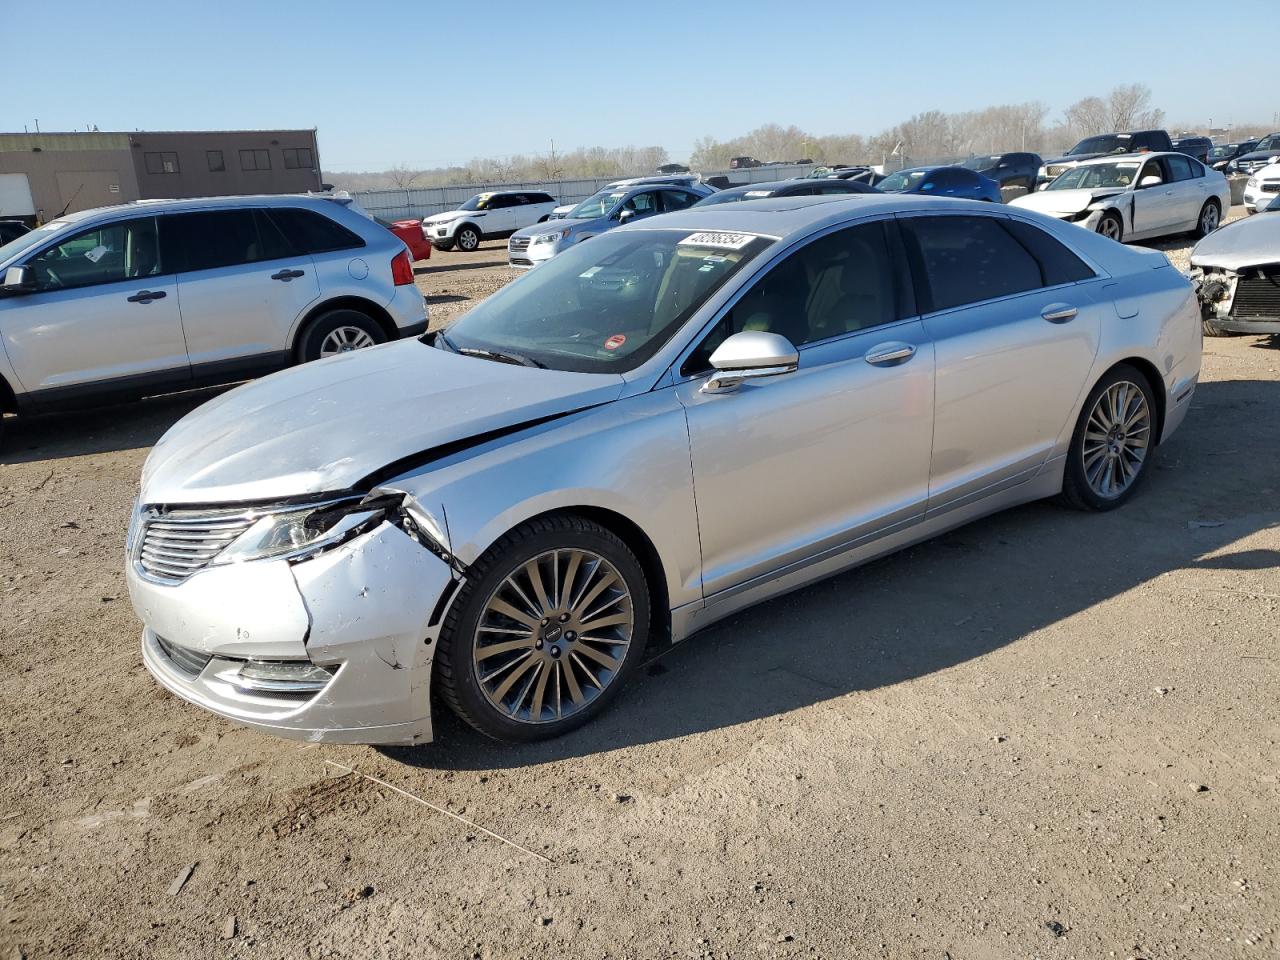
(931,136)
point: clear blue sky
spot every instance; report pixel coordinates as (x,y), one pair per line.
(428,83)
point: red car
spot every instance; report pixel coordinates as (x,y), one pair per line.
(410,231)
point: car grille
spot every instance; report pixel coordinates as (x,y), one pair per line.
(189,663)
(1272,186)
(1257,297)
(518,244)
(1253,166)
(521,262)
(176,544)
(1056,171)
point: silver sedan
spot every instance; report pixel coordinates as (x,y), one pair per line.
(661,426)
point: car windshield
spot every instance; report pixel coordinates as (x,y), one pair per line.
(981,164)
(1091,176)
(607,305)
(479,202)
(28,240)
(1268,143)
(598,205)
(1226,150)
(902,181)
(1107,143)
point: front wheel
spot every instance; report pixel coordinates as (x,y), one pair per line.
(467,239)
(1111,447)
(1111,226)
(552,621)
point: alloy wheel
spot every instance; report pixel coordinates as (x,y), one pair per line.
(1209,219)
(1109,227)
(468,240)
(553,636)
(344,340)
(1116,439)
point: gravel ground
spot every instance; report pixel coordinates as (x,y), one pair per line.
(1046,734)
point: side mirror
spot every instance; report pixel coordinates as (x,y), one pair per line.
(750,355)
(1151,180)
(18,280)
(927,186)
(625,215)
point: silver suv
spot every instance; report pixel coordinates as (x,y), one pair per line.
(156,296)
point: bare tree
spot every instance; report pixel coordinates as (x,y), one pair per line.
(1130,108)
(1088,117)
(402,177)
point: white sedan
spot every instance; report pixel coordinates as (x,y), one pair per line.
(1136,196)
(1263,188)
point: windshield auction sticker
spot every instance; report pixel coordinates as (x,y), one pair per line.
(722,241)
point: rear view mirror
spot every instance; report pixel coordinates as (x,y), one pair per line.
(750,355)
(18,280)
(1151,180)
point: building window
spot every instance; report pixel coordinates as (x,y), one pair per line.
(216,163)
(161,162)
(255,160)
(298,158)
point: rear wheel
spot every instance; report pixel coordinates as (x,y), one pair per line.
(1112,444)
(1111,226)
(339,331)
(1210,217)
(550,624)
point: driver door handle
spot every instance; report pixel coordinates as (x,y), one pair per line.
(146,296)
(890,354)
(1059,312)
(287,275)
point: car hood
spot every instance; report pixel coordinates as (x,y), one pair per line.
(1272,155)
(1075,158)
(1063,201)
(326,425)
(553,226)
(452,215)
(1252,241)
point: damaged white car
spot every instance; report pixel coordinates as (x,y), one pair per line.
(1237,275)
(1136,197)
(652,431)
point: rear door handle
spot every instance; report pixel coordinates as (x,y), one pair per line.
(287,275)
(146,296)
(1059,312)
(890,354)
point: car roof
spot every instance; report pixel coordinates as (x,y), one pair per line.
(316,201)
(1146,155)
(783,217)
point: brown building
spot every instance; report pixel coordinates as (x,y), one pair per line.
(41,174)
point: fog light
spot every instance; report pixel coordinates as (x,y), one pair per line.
(283,676)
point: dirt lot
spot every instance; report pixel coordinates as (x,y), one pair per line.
(1044,735)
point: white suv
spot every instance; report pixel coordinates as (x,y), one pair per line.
(487,216)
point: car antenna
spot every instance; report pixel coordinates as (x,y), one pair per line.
(64,210)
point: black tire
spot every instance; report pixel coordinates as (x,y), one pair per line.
(467,238)
(454,664)
(445,245)
(1112,218)
(1076,490)
(1201,230)
(313,337)
(1212,330)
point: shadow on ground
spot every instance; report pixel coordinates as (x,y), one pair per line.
(926,609)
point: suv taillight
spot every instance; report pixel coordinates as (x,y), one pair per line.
(401,269)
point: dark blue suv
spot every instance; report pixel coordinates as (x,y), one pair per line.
(942,182)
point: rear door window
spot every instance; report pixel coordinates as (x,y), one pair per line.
(960,259)
(1179,168)
(212,239)
(1057,263)
(311,232)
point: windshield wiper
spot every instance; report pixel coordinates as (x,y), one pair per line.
(501,356)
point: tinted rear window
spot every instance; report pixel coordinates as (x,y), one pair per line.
(221,238)
(967,260)
(1057,263)
(311,232)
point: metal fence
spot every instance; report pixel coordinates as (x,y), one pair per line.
(416,204)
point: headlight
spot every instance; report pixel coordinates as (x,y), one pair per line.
(306,531)
(549,237)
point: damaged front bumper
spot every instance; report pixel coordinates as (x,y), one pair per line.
(1239,301)
(243,640)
